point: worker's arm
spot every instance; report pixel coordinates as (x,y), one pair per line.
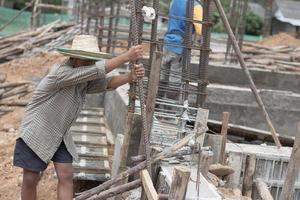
(101,85)
(67,75)
(136,73)
(198,15)
(133,54)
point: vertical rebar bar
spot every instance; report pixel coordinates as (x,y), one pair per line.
(153,44)
(186,58)
(109,34)
(101,25)
(204,54)
(136,19)
(82,9)
(88,20)
(116,24)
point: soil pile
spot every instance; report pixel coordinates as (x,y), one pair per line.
(280,39)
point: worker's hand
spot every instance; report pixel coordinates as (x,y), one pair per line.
(134,53)
(137,72)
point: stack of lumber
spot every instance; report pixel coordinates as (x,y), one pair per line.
(11,94)
(31,43)
(275,58)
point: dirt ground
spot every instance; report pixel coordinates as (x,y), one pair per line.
(11,177)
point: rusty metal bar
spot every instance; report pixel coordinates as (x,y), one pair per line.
(109,37)
(117,17)
(101,25)
(137,19)
(204,54)
(153,45)
(186,59)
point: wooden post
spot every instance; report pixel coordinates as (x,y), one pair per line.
(215,142)
(235,160)
(148,185)
(201,124)
(153,88)
(293,169)
(154,171)
(34,15)
(180,180)
(249,173)
(225,120)
(117,155)
(263,190)
(206,159)
(131,139)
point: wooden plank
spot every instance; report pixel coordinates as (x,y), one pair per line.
(93,152)
(117,155)
(153,89)
(215,142)
(263,190)
(225,120)
(91,112)
(201,124)
(293,169)
(91,120)
(180,180)
(89,139)
(249,174)
(148,185)
(91,166)
(131,140)
(206,159)
(88,129)
(235,160)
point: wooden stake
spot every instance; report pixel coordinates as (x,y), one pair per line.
(249,174)
(293,169)
(201,125)
(263,190)
(117,190)
(224,129)
(180,180)
(206,159)
(246,71)
(148,185)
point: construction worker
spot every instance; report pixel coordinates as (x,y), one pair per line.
(44,134)
(171,69)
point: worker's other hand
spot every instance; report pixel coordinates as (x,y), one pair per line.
(134,53)
(137,72)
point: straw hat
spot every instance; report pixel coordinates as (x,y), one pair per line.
(84,47)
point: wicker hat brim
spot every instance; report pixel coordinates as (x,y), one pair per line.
(84,54)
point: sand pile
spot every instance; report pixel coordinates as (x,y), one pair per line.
(280,39)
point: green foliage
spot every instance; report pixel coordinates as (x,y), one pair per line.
(253,22)
(19,4)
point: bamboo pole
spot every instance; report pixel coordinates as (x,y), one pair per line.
(246,71)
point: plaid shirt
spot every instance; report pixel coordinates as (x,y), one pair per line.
(55,105)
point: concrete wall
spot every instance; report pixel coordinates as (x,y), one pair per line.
(263,79)
(115,109)
(283,107)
